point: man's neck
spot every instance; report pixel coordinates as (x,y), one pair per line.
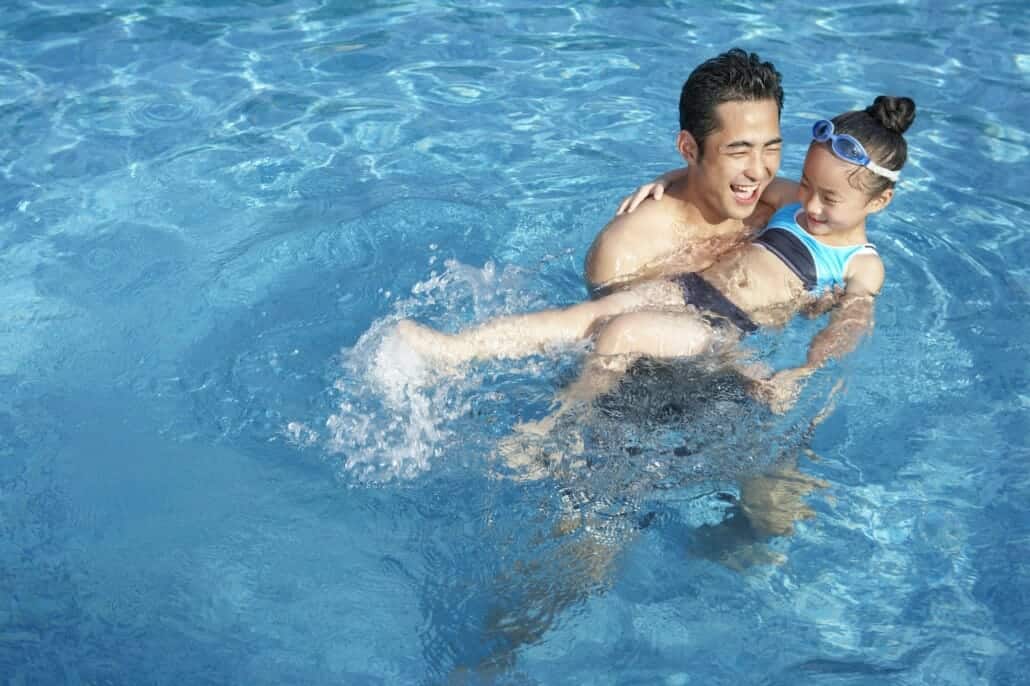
(698,209)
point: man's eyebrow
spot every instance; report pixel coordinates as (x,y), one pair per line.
(748,144)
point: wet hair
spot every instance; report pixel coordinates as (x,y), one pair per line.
(733,76)
(879,129)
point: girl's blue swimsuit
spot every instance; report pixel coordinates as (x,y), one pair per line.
(819,266)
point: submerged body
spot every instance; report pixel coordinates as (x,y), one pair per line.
(813,256)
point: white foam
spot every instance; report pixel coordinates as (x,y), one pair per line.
(393,414)
(396,369)
(396,411)
(396,408)
(301,434)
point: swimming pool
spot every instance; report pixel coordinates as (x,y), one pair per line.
(211,473)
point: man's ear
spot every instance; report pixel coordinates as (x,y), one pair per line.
(687,146)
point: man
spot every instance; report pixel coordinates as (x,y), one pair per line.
(730,138)
(729,135)
(729,112)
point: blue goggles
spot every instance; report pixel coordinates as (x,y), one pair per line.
(848,148)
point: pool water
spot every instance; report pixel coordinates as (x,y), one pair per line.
(214,467)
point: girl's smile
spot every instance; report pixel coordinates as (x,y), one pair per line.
(835,208)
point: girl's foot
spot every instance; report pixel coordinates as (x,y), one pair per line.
(429,343)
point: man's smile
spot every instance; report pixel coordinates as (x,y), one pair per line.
(745,193)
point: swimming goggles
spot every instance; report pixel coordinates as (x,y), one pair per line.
(848,148)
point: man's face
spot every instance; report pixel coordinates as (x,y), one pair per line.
(741,157)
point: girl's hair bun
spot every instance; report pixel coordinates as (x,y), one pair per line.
(894,113)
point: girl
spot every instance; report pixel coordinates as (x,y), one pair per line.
(814,249)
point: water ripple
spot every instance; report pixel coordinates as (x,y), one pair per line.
(260,185)
(121,261)
(162,113)
(350,248)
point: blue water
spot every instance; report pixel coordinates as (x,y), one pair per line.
(212,471)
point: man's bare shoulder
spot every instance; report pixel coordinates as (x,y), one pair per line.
(631,241)
(652,216)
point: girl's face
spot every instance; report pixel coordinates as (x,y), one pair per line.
(830,203)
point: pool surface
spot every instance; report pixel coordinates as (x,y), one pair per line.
(214,468)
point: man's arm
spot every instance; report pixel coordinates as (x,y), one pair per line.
(656,241)
(645,241)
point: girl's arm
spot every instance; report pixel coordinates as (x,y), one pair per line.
(778,193)
(850,320)
(654,189)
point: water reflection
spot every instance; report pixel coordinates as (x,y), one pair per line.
(670,434)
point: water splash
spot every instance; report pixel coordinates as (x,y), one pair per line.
(392,419)
(395,411)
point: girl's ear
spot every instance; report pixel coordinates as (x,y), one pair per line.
(881,201)
(687,146)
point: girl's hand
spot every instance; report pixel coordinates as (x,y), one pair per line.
(781,390)
(654,189)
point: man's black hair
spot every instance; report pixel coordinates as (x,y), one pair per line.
(733,76)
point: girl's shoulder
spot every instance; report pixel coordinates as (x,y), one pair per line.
(865,273)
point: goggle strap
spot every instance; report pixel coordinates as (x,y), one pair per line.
(888,174)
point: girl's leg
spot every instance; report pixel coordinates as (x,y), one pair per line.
(622,340)
(521,335)
(628,337)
